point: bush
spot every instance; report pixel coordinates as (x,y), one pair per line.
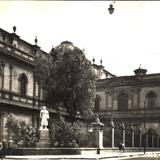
(65,134)
(24,135)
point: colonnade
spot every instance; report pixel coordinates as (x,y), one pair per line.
(131,137)
(144,137)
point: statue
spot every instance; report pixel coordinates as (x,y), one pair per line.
(44,115)
(112,123)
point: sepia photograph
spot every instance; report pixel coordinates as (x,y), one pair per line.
(79,80)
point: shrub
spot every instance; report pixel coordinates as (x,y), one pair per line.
(24,135)
(65,134)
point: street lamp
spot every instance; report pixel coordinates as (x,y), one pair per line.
(111,9)
(98,132)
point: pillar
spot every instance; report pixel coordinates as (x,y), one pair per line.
(112,137)
(98,134)
(100,138)
(123,132)
(152,140)
(132,134)
(132,138)
(10,77)
(112,129)
(146,140)
(140,139)
(157,141)
(3,65)
(123,139)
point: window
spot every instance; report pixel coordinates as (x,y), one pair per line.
(1,71)
(23,84)
(122,102)
(151,99)
(1,76)
(97,103)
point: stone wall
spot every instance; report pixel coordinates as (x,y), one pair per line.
(136,97)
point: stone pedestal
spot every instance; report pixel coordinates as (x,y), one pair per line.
(112,137)
(98,133)
(44,138)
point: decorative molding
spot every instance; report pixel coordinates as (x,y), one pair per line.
(136,90)
(109,92)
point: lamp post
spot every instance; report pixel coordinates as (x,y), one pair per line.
(78,116)
(98,132)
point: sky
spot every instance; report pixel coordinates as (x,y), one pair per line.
(124,40)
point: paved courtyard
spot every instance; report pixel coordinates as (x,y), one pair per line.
(110,156)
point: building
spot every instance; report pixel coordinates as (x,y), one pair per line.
(100,71)
(132,100)
(20,91)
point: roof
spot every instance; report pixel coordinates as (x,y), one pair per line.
(23,41)
(149,79)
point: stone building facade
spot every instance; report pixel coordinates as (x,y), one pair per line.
(132,100)
(20,91)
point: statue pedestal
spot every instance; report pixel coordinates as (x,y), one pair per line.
(44,138)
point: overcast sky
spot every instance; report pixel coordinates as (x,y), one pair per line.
(124,40)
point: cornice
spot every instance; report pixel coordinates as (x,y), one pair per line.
(17,58)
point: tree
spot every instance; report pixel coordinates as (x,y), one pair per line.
(71,80)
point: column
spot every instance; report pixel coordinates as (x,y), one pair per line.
(146,140)
(3,65)
(112,130)
(112,137)
(123,137)
(1,127)
(98,134)
(123,132)
(33,101)
(133,138)
(10,76)
(100,138)
(140,138)
(39,93)
(152,140)
(157,141)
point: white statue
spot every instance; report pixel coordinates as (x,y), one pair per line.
(44,115)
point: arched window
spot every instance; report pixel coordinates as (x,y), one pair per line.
(122,102)
(97,103)
(23,84)
(151,99)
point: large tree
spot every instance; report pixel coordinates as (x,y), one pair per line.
(71,80)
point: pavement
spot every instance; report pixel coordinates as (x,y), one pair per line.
(110,156)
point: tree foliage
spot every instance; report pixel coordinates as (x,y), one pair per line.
(65,134)
(70,80)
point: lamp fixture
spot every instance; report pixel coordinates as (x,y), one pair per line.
(111,9)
